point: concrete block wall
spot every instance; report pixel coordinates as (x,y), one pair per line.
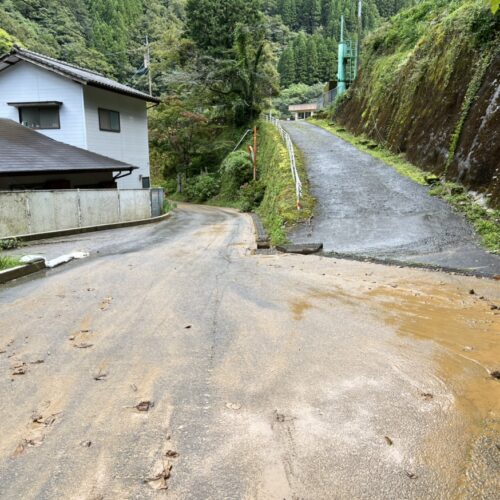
(31,212)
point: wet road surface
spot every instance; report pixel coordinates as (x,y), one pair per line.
(272,376)
(364,207)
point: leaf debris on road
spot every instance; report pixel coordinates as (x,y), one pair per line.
(19,368)
(144,406)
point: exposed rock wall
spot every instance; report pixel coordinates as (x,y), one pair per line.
(429,87)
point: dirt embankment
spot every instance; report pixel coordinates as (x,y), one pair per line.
(429,87)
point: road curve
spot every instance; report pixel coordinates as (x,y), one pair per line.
(269,376)
(364,207)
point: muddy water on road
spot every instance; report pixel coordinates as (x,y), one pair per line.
(468,330)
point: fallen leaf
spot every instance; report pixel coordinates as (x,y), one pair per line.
(427,395)
(144,405)
(105,303)
(100,376)
(83,345)
(19,448)
(279,417)
(19,369)
(160,480)
(388,440)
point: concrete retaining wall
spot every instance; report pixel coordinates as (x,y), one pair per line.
(31,212)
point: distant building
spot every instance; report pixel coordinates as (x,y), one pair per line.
(303,111)
(79,107)
(32,161)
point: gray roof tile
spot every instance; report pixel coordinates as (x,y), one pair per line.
(84,76)
(23,150)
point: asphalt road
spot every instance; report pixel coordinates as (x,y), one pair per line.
(271,376)
(364,207)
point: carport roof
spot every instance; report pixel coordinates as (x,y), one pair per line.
(23,151)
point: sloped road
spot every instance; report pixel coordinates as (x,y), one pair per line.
(267,376)
(365,208)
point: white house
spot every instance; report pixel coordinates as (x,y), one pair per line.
(78,107)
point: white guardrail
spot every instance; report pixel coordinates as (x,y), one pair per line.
(291,153)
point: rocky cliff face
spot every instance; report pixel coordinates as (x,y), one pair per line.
(429,88)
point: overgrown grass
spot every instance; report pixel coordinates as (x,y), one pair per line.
(485,221)
(278,209)
(168,206)
(398,162)
(7,262)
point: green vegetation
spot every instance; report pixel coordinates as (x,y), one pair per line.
(486,221)
(168,206)
(218,64)
(310,55)
(9,244)
(480,69)
(366,145)
(429,48)
(298,93)
(278,209)
(103,35)
(272,195)
(8,262)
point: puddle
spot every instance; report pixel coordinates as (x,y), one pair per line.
(469,332)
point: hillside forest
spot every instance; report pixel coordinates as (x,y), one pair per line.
(217,64)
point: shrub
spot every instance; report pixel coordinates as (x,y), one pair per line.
(251,195)
(235,171)
(201,188)
(9,244)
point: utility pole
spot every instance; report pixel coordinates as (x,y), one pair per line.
(147,65)
(255,153)
(360,31)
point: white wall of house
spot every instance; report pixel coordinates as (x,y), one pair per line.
(25,82)
(79,118)
(130,145)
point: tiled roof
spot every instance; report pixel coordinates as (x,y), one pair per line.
(81,75)
(23,150)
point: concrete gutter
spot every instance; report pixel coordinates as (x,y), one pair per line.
(87,229)
(20,271)
(300,248)
(261,236)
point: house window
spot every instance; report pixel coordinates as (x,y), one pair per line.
(40,117)
(109,121)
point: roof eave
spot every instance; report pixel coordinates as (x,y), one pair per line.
(69,171)
(141,97)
